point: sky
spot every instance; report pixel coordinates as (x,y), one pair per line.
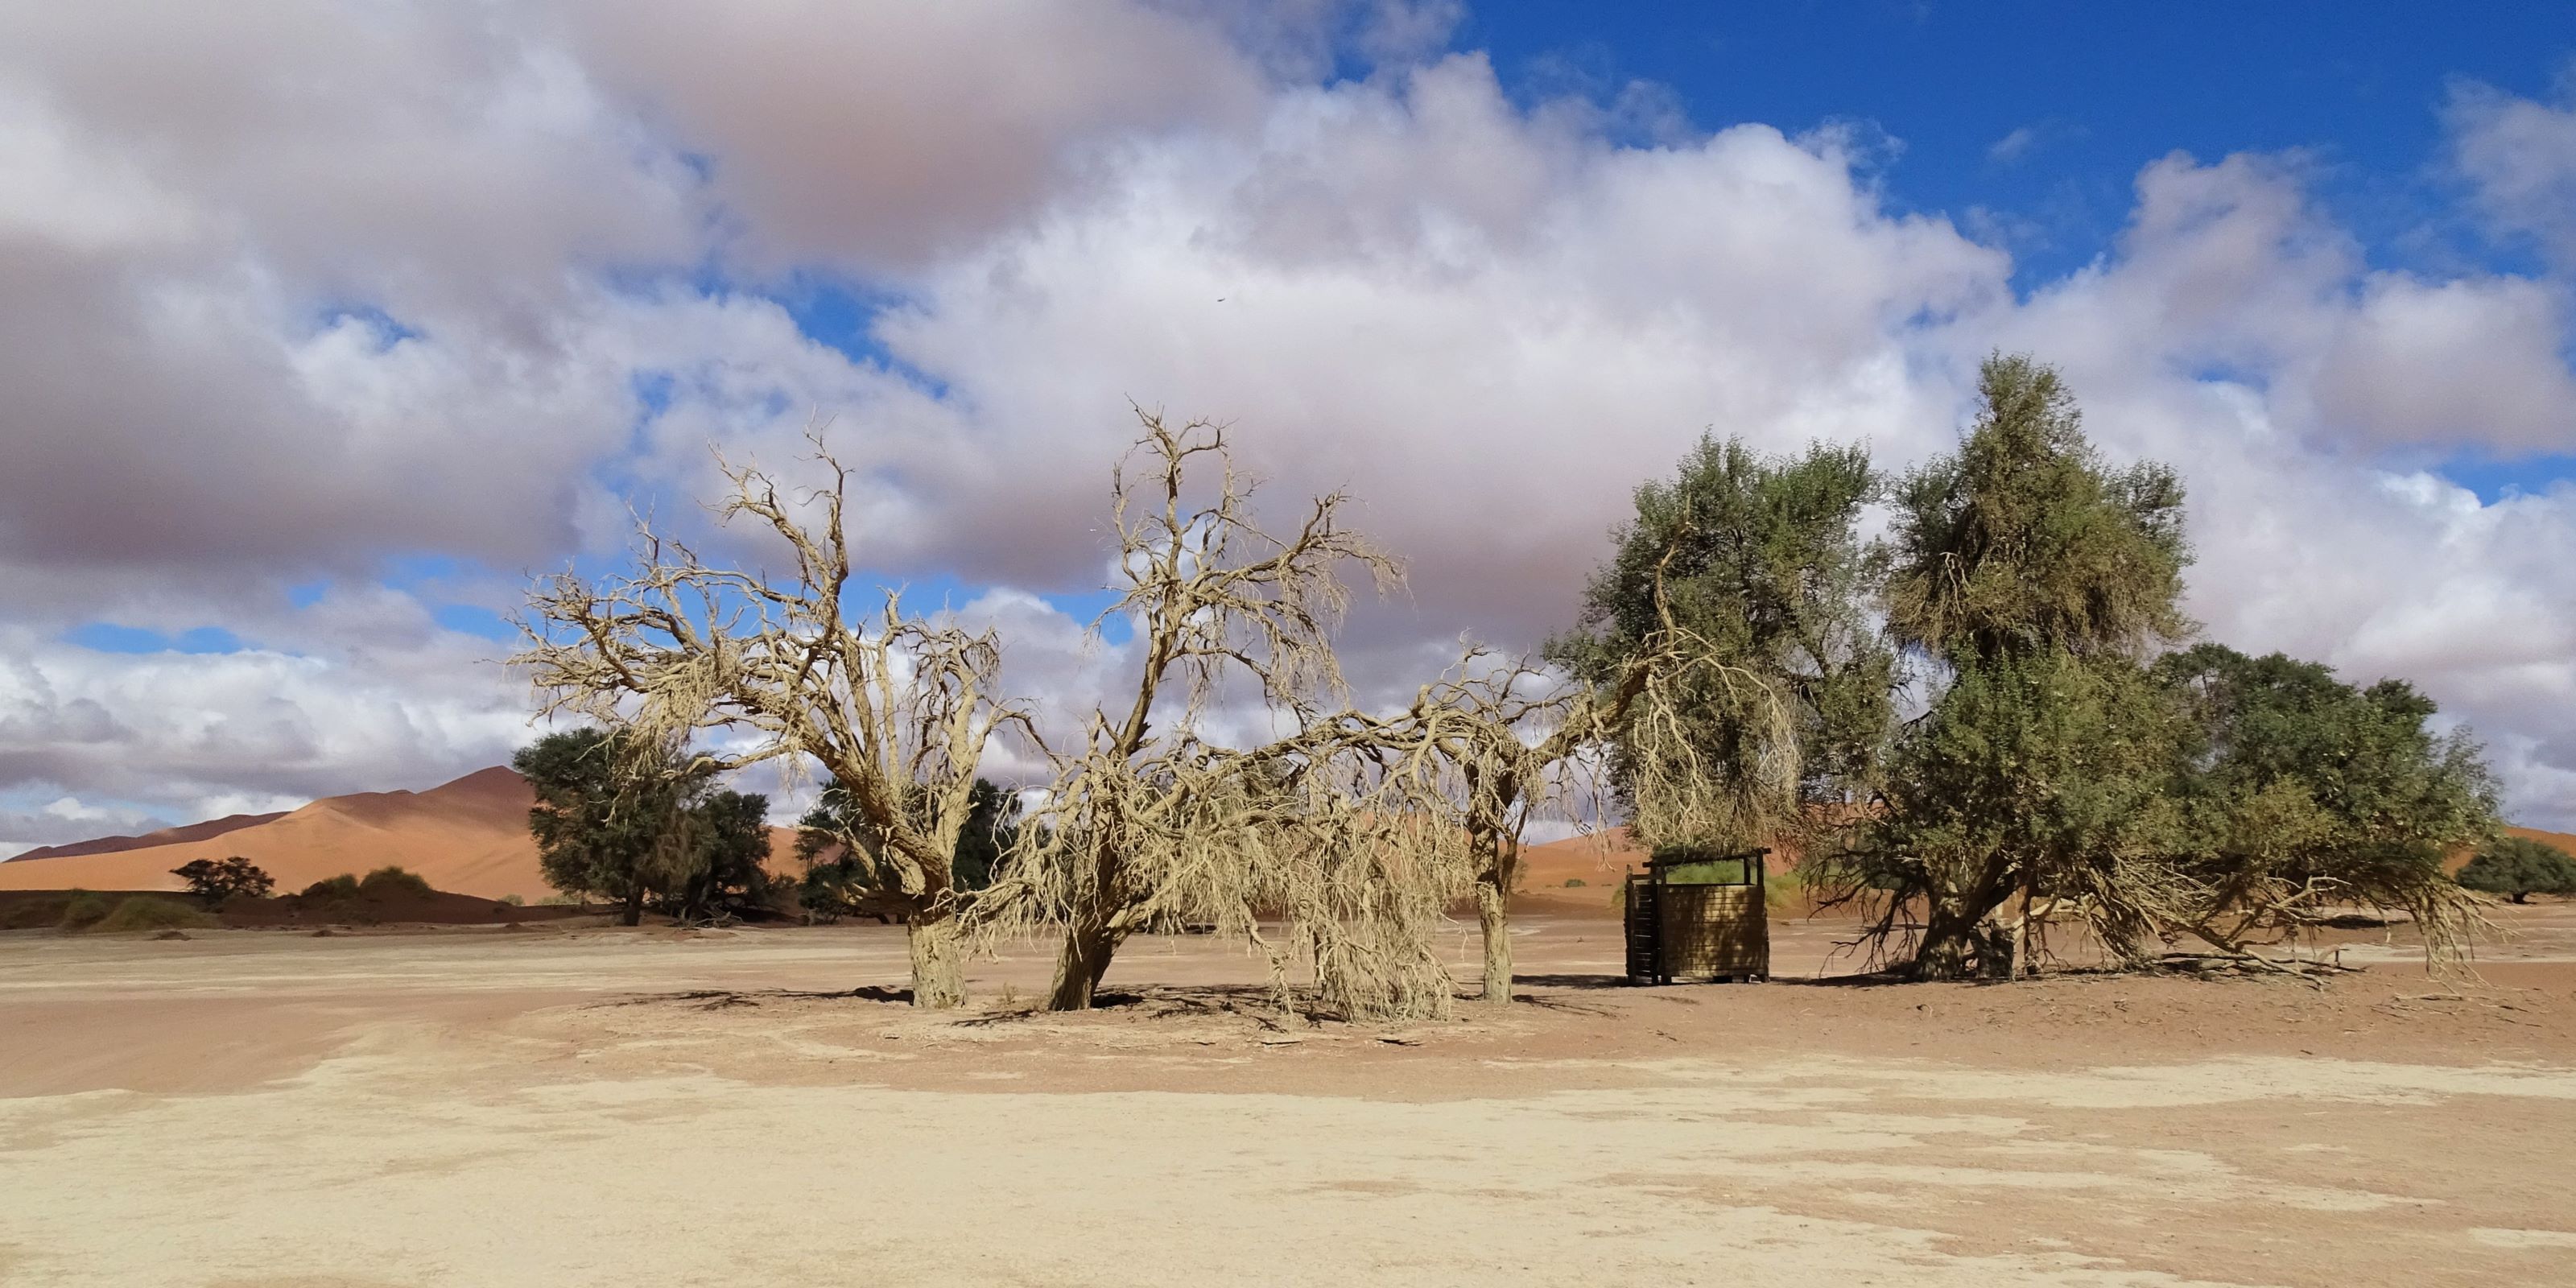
(325,324)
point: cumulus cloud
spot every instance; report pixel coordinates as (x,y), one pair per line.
(2519,154)
(291,293)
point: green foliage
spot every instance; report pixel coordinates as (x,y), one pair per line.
(151,912)
(1575,883)
(2023,542)
(1758,557)
(84,911)
(216,881)
(343,886)
(2519,867)
(393,883)
(730,833)
(513,900)
(2297,783)
(641,824)
(2043,773)
(846,872)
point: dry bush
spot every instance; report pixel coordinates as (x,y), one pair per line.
(897,713)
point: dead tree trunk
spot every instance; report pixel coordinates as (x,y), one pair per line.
(1080,964)
(1494,918)
(938,960)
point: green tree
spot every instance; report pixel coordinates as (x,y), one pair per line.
(218,880)
(2301,789)
(2027,579)
(2041,776)
(846,869)
(638,824)
(2519,867)
(2024,541)
(1759,560)
(730,874)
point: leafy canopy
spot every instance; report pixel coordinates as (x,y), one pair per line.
(2519,867)
(2024,541)
(1758,558)
(638,823)
(217,880)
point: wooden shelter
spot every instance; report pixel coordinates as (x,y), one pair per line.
(1685,920)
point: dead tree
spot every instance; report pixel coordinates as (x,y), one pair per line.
(898,713)
(1147,822)
(1488,760)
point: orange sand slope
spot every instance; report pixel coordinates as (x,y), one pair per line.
(2563,840)
(469,836)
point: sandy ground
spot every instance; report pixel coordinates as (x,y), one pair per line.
(573,1107)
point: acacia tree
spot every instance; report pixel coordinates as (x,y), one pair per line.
(898,712)
(2299,791)
(2518,867)
(612,815)
(1756,564)
(1488,756)
(1146,820)
(2028,580)
(847,871)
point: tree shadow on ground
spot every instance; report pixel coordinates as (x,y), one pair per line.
(1257,1003)
(717,999)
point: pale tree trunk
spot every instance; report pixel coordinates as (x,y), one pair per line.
(1088,945)
(938,961)
(1494,917)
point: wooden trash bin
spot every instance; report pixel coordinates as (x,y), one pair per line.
(1683,923)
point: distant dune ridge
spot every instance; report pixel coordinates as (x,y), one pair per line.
(166,836)
(471,837)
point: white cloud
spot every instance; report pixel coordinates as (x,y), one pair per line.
(2520,157)
(286,292)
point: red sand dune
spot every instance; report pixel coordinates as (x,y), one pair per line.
(166,836)
(469,836)
(2562,840)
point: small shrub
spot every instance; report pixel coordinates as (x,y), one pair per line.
(84,911)
(343,886)
(1575,883)
(391,883)
(151,912)
(513,900)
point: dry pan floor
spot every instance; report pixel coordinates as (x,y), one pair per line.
(603,1107)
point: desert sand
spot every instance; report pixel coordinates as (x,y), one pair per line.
(601,1106)
(469,836)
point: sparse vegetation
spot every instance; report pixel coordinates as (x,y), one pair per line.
(152,912)
(328,889)
(84,910)
(392,882)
